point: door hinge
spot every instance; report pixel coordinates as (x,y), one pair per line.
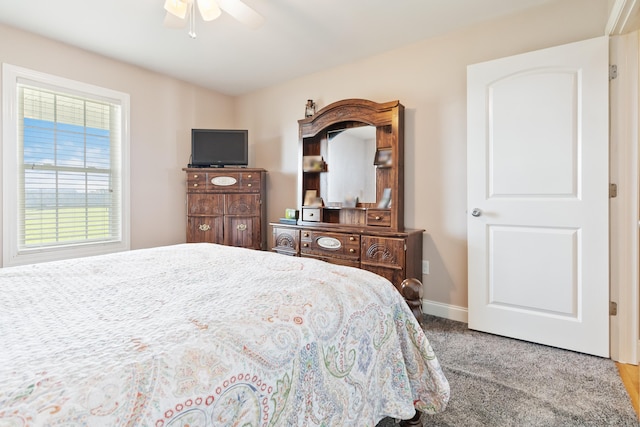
(613,71)
(613,308)
(613,190)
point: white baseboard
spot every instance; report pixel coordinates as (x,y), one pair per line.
(451,312)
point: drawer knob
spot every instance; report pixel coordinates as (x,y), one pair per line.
(352,250)
(204,227)
(352,238)
(311,214)
(195,176)
(195,185)
(306,245)
(306,234)
(248,176)
(378,218)
(248,185)
(241,227)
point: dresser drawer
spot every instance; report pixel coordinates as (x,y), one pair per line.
(205,204)
(286,240)
(196,182)
(250,181)
(242,231)
(242,204)
(383,251)
(379,217)
(311,214)
(205,229)
(324,244)
(223,181)
(246,182)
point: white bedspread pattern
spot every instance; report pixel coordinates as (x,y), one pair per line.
(208,335)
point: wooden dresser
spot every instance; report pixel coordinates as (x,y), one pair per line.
(393,255)
(227,206)
(351,192)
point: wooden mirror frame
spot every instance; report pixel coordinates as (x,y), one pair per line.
(388,118)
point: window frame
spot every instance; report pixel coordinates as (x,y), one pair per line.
(12,255)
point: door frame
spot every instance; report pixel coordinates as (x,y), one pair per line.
(622,27)
(624,210)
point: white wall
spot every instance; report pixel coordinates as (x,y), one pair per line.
(429,78)
(163,111)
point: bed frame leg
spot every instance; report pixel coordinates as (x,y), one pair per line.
(413,422)
(411,290)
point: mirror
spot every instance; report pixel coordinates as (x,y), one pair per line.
(352,173)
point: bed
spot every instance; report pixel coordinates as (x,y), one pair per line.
(209,335)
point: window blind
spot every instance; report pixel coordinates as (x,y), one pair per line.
(69,178)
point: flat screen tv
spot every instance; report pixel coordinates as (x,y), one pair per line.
(219,148)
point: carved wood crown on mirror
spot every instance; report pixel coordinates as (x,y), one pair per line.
(314,134)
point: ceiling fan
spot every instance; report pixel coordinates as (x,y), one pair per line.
(179,12)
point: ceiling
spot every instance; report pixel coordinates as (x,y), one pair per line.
(298,37)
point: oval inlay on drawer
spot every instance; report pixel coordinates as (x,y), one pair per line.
(223,180)
(329,243)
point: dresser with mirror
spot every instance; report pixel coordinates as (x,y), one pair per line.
(351,191)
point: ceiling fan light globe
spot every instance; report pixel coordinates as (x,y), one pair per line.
(209,9)
(177,7)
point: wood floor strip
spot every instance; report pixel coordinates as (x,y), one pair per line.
(630,375)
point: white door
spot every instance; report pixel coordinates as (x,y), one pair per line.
(538,196)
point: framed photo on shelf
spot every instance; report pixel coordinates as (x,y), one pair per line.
(311,199)
(383,158)
(312,164)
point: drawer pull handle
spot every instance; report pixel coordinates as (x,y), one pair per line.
(241,227)
(204,227)
(195,185)
(353,251)
(378,218)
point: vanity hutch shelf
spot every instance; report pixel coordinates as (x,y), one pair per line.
(226,206)
(365,228)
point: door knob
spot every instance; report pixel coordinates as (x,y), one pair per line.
(476,212)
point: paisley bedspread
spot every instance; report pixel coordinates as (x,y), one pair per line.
(208,335)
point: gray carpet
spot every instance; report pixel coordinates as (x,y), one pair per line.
(497,381)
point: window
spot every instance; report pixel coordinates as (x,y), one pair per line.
(65,168)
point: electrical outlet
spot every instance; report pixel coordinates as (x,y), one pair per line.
(425,267)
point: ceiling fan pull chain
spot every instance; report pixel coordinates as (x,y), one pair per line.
(192,21)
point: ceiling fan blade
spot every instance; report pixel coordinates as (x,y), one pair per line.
(178,8)
(209,9)
(241,12)
(172,21)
